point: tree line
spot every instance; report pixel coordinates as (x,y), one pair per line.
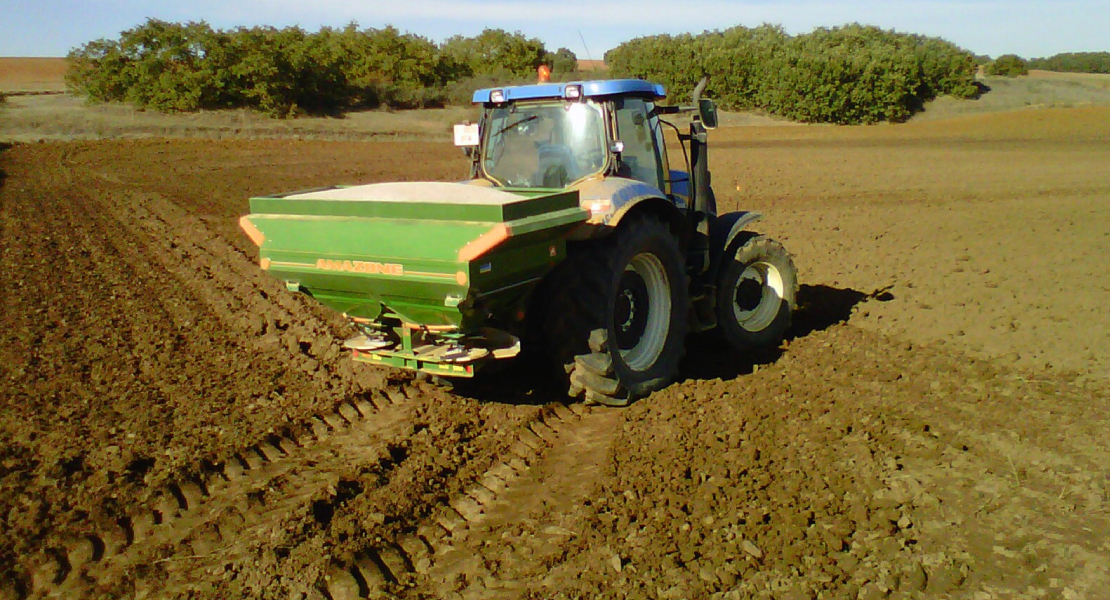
(1074,62)
(285,72)
(1012,65)
(845,75)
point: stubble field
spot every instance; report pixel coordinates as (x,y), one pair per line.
(175,424)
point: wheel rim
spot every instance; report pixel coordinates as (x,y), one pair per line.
(758,296)
(642,311)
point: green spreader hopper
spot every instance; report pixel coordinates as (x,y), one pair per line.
(435,275)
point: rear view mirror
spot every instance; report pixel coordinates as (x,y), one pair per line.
(707,112)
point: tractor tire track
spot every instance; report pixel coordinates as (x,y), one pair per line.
(389,513)
(524,528)
(253,491)
(472,544)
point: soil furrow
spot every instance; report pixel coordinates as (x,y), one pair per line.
(169,224)
(252,309)
(158,336)
(241,295)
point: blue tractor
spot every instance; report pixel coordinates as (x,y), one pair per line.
(654,260)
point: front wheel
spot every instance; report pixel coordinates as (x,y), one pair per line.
(757,290)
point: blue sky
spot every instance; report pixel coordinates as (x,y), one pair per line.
(1026,27)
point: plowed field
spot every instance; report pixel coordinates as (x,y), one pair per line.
(32,75)
(175,424)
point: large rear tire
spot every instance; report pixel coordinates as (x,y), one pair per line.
(757,291)
(617,318)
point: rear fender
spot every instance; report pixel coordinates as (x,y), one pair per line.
(724,231)
(610,199)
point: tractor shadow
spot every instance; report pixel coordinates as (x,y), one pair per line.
(819,308)
(3,174)
(522,382)
(529,382)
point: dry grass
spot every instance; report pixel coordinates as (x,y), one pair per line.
(63,117)
(1089,77)
(1041,89)
(592,65)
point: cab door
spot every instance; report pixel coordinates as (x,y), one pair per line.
(644,157)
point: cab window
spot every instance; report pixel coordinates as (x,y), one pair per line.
(640,159)
(548,144)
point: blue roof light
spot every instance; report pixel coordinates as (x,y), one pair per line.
(590,89)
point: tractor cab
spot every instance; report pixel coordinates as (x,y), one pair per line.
(573,135)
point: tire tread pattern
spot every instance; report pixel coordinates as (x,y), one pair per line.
(576,319)
(749,247)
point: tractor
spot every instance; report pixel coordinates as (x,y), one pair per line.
(573,238)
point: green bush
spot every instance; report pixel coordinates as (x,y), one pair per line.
(494,52)
(850,74)
(1074,62)
(564,63)
(1007,65)
(284,72)
(384,67)
(172,67)
(665,59)
(946,69)
(845,75)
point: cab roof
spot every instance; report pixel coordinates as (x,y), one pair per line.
(589,89)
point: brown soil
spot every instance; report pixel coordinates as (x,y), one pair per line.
(592,65)
(32,75)
(175,424)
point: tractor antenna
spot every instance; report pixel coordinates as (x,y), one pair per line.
(588,57)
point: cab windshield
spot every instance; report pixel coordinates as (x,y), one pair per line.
(544,144)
